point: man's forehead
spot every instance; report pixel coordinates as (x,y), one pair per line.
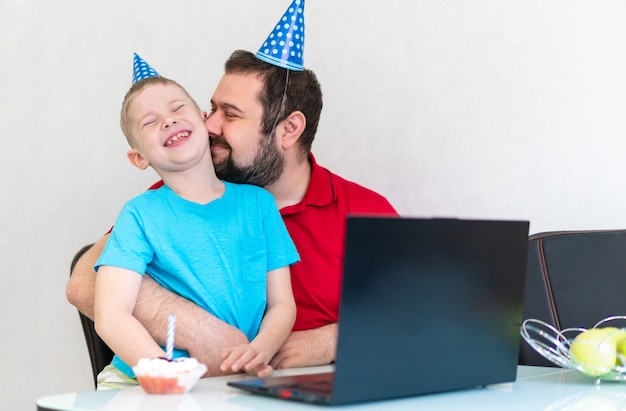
(238,89)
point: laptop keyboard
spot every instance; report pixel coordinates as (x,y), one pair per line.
(322,387)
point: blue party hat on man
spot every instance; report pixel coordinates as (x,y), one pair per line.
(284,46)
(141,69)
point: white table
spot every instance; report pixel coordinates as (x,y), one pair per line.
(536,388)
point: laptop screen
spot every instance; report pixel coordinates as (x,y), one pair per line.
(429,305)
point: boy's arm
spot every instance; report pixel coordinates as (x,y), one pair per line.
(116,292)
(280,313)
(276,325)
(199,332)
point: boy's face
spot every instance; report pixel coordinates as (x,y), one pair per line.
(241,153)
(167,128)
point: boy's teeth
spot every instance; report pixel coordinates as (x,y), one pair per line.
(176,138)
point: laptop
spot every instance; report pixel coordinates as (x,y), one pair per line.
(427,306)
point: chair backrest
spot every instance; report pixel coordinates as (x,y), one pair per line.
(573,279)
(99,353)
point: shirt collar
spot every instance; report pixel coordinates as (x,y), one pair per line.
(320,192)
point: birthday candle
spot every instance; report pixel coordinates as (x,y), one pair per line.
(171,330)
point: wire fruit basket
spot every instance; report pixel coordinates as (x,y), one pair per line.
(556,346)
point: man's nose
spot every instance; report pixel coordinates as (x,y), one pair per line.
(212,124)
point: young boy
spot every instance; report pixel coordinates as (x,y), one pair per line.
(222,245)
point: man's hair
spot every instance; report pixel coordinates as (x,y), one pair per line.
(134,91)
(303,93)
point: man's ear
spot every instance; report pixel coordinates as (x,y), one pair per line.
(294,126)
(137,159)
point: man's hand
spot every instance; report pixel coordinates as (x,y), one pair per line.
(307,348)
(209,340)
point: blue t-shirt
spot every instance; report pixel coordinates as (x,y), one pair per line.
(216,255)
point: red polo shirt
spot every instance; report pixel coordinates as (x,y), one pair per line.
(317,226)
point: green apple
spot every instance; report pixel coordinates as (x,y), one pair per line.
(595,350)
(621,347)
(616,334)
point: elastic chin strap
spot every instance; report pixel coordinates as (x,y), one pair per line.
(267,141)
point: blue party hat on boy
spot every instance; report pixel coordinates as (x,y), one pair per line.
(141,69)
(284,46)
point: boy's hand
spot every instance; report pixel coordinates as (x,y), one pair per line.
(245,358)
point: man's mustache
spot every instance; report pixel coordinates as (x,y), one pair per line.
(218,141)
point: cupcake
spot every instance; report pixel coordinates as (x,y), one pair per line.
(163,376)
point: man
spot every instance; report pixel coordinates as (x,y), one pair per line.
(314,202)
(262,124)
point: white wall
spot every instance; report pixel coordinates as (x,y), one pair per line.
(467,108)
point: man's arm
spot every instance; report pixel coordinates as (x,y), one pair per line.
(80,291)
(197,331)
(307,348)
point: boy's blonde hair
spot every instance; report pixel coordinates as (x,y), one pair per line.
(134,91)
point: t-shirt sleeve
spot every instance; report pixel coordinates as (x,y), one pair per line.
(127,246)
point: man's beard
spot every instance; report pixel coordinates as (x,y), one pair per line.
(265,170)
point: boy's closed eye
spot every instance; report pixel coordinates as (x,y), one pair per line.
(148,122)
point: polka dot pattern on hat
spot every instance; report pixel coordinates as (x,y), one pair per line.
(284,46)
(141,69)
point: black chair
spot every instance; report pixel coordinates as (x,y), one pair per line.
(99,353)
(573,279)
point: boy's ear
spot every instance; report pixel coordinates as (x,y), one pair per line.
(294,126)
(137,159)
